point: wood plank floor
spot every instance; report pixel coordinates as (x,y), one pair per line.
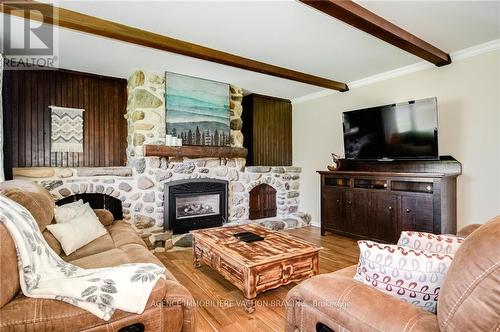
(220,304)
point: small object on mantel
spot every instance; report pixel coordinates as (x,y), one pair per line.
(172,140)
(336,163)
(194,151)
(169,140)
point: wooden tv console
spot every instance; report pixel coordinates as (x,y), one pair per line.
(379,199)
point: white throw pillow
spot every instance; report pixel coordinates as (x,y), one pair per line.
(414,276)
(84,228)
(444,244)
(67,212)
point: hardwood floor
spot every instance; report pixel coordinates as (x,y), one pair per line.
(220,304)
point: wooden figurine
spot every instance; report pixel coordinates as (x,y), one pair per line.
(336,163)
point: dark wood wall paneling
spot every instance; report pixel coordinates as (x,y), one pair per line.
(27,96)
(267,130)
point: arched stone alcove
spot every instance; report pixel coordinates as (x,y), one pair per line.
(262,202)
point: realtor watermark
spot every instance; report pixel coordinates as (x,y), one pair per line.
(29,40)
(226,303)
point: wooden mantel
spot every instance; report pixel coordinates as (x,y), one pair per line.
(194,151)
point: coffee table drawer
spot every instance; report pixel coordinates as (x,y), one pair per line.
(303,266)
(206,255)
(235,274)
(269,275)
(233,270)
(285,271)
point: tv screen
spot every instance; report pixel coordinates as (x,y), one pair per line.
(399,131)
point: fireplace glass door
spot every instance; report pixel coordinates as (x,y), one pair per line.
(197,206)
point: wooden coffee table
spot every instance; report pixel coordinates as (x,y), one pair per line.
(258,266)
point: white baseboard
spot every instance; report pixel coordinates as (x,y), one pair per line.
(316,223)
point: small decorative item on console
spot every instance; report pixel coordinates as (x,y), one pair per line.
(336,163)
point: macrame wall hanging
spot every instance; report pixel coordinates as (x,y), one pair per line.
(67,129)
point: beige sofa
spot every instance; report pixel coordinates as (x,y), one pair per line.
(170,306)
(469,299)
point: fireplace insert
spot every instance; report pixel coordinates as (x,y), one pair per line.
(194,204)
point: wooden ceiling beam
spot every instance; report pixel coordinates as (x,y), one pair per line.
(361,18)
(93,25)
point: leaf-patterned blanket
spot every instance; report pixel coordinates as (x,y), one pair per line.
(43,274)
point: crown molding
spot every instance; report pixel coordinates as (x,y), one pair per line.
(314,95)
(463,54)
(466,53)
(423,65)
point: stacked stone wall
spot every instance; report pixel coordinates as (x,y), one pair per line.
(142,193)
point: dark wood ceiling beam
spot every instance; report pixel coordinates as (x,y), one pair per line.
(361,18)
(93,25)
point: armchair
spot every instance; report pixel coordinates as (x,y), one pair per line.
(469,299)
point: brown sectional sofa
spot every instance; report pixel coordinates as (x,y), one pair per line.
(170,306)
(469,299)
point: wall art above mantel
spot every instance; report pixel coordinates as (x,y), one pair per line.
(197,110)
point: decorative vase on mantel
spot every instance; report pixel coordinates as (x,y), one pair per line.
(336,163)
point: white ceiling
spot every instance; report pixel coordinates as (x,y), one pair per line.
(448,25)
(283,33)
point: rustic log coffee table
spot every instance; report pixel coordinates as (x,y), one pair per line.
(258,266)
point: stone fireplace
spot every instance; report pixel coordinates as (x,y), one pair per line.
(141,185)
(194,204)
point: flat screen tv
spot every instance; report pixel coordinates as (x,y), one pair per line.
(405,131)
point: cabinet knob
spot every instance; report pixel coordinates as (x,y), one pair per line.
(408,210)
(390,208)
(338,200)
(349,203)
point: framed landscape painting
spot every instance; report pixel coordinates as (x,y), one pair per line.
(197,110)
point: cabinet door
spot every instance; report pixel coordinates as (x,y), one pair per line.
(267,128)
(331,209)
(356,212)
(417,213)
(383,217)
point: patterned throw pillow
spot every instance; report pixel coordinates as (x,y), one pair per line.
(444,244)
(414,276)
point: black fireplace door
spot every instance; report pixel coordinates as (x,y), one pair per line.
(195,204)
